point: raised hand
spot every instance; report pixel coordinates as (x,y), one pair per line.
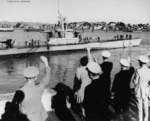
(44,60)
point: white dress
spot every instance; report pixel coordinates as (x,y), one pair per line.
(32,105)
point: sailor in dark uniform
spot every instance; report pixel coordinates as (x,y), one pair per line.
(121,87)
(106,67)
(92,102)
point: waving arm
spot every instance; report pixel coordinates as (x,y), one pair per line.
(48,70)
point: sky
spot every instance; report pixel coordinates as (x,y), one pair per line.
(128,11)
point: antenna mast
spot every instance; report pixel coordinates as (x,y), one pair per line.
(60,17)
(58,10)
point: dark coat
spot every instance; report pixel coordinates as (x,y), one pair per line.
(12,113)
(93,102)
(107,67)
(106,78)
(59,103)
(121,87)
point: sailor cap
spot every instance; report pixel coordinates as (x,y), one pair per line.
(106,54)
(94,67)
(31,71)
(143,59)
(124,62)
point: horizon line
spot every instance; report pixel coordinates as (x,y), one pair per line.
(71,22)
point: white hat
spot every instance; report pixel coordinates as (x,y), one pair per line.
(143,59)
(106,54)
(31,71)
(124,62)
(94,67)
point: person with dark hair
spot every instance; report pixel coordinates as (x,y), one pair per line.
(84,61)
(60,101)
(81,73)
(81,78)
(12,109)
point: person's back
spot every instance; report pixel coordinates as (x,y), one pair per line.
(32,104)
(29,100)
(140,84)
(106,67)
(92,95)
(59,103)
(61,110)
(121,87)
(106,78)
(144,74)
(12,109)
(81,80)
(9,112)
(82,75)
(121,84)
(59,100)
(93,101)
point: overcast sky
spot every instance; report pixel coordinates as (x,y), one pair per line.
(128,11)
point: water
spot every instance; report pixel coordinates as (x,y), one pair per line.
(63,64)
(63,67)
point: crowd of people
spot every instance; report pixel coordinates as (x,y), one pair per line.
(9,43)
(92,97)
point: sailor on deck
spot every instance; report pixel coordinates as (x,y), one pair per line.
(9,43)
(140,83)
(32,105)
